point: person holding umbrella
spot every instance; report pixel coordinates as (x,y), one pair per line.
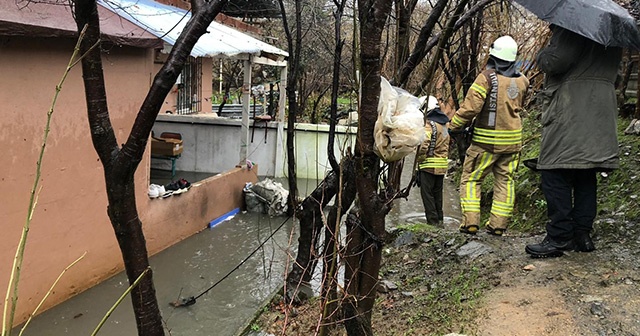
(494,100)
(433,160)
(579,113)
(579,139)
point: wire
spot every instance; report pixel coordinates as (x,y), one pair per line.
(191,300)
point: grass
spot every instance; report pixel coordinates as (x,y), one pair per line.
(616,189)
(417,227)
(445,288)
(530,210)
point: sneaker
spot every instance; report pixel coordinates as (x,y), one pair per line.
(178,187)
(173,186)
(549,248)
(155,191)
(184,184)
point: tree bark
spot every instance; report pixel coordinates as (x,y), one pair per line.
(292,82)
(332,243)
(120,164)
(373,14)
(310,217)
(427,83)
(404,10)
(335,83)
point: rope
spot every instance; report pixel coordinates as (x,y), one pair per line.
(192,300)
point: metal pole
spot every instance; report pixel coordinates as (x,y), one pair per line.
(220,78)
(244,131)
(279,157)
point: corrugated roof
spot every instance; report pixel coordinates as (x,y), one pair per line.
(167,22)
(56,20)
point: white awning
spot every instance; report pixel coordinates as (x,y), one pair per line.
(167,23)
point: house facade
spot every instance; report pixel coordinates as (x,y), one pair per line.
(70,218)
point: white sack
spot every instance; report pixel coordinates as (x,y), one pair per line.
(399,129)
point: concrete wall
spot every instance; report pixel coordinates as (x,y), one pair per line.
(213,145)
(70,217)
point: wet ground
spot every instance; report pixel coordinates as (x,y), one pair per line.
(193,265)
(411,210)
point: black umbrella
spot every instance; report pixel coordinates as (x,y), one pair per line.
(602,21)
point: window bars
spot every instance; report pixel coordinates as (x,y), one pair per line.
(190,87)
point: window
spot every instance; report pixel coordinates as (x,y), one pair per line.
(190,87)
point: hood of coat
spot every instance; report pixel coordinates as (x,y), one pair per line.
(438,116)
(504,68)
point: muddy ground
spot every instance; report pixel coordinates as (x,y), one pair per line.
(496,290)
(448,282)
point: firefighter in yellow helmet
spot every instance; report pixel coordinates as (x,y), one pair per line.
(432,159)
(493,104)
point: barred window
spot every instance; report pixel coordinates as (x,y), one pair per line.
(190,87)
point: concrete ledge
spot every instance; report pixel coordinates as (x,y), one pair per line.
(170,220)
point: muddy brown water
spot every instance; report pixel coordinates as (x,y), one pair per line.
(193,265)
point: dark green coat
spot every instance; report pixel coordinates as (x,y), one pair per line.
(579,108)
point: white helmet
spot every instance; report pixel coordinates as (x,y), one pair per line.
(432,103)
(504,48)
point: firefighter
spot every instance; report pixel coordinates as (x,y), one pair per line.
(492,106)
(433,163)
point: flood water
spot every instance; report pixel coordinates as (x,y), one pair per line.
(193,265)
(186,269)
(411,210)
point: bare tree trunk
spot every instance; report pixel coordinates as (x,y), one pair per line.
(373,15)
(311,223)
(419,50)
(120,164)
(292,82)
(330,281)
(335,83)
(404,9)
(426,86)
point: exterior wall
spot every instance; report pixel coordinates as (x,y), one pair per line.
(205,201)
(70,218)
(213,145)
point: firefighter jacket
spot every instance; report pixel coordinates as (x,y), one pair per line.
(435,163)
(497,130)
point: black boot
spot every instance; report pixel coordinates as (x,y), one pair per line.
(583,242)
(549,248)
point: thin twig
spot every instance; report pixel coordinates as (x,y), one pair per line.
(46,296)
(115,305)
(12,287)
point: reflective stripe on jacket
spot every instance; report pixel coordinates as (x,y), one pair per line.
(438,163)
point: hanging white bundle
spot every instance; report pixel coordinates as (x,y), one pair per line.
(399,129)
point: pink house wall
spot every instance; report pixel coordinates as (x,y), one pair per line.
(70,218)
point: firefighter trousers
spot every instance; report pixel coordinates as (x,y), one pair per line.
(431,187)
(477,165)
